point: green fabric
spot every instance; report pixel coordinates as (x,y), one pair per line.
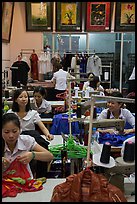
(73,150)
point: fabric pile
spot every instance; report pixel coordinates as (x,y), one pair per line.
(114,139)
(16,179)
(73,150)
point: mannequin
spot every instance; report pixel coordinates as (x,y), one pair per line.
(34,65)
(21,73)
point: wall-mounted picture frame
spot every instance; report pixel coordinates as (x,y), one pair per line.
(98,16)
(7,16)
(68,16)
(39,16)
(125,16)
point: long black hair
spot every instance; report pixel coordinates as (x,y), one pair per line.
(9,117)
(15,106)
(93,83)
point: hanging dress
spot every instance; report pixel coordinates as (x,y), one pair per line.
(34,66)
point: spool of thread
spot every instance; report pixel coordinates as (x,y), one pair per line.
(78,111)
(105,155)
(85,139)
(129,152)
(6,93)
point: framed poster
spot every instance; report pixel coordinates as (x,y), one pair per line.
(68,16)
(125,16)
(98,16)
(39,16)
(7,16)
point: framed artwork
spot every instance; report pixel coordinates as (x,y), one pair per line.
(125,16)
(68,16)
(39,16)
(98,16)
(7,16)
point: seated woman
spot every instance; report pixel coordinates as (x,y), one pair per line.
(115,110)
(40,104)
(28,119)
(93,84)
(22,147)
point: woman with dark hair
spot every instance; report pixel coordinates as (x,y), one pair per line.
(93,84)
(115,110)
(28,119)
(24,148)
(40,104)
(59,80)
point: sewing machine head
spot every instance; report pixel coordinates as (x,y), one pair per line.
(117,123)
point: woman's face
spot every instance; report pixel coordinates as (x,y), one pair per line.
(113,106)
(22,99)
(10,133)
(38,97)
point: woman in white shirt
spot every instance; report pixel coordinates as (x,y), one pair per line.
(28,119)
(24,148)
(93,84)
(115,110)
(40,104)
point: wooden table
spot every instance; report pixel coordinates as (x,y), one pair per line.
(45,84)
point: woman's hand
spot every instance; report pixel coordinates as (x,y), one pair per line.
(5,163)
(49,137)
(25,158)
(110,131)
(128,131)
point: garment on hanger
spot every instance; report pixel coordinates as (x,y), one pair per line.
(34,65)
(44,64)
(83,63)
(75,64)
(66,60)
(21,73)
(94,65)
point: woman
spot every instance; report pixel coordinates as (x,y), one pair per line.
(22,147)
(93,83)
(28,119)
(115,110)
(40,103)
(59,80)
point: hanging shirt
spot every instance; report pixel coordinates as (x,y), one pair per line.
(34,66)
(93,65)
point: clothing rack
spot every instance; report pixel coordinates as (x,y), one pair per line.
(29,51)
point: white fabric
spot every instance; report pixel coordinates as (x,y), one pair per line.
(132,77)
(94,65)
(29,121)
(44,64)
(24,143)
(75,67)
(125,114)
